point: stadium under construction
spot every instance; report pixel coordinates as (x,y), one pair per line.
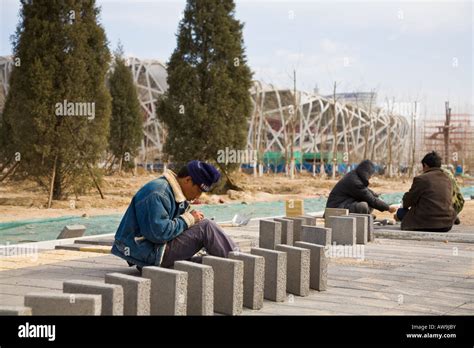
(320,130)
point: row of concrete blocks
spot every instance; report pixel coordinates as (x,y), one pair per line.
(222,285)
(343,230)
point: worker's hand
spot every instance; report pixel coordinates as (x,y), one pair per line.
(392,209)
(198,216)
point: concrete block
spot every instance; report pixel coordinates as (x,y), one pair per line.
(200,287)
(286,231)
(168,290)
(343,229)
(308,220)
(294,207)
(53,303)
(84,247)
(228,284)
(328,212)
(275,273)
(297,269)
(112,294)
(318,266)
(370,225)
(298,223)
(136,292)
(14,310)
(269,234)
(72,231)
(254,275)
(362,227)
(316,235)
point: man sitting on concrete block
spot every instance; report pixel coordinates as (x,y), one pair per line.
(352,192)
(428,205)
(158,228)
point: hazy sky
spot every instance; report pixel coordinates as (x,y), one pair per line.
(404,49)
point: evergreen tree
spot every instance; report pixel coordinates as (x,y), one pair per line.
(127,120)
(207,104)
(64,58)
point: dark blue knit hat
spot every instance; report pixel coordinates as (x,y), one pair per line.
(203,174)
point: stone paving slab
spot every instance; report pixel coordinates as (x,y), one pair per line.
(434,278)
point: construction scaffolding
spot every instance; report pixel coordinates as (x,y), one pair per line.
(460,144)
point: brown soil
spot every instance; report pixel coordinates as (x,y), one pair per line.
(25,200)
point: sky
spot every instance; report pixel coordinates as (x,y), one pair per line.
(408,50)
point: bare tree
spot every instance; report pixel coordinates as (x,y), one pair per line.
(334,133)
(389,136)
(370,126)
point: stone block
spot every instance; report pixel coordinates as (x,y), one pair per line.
(298,223)
(343,229)
(329,212)
(200,287)
(228,284)
(308,220)
(370,225)
(362,227)
(294,207)
(53,303)
(168,290)
(72,231)
(275,273)
(316,235)
(112,294)
(136,292)
(254,275)
(269,234)
(318,266)
(286,231)
(297,269)
(14,310)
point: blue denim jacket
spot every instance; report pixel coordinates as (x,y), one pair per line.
(156,215)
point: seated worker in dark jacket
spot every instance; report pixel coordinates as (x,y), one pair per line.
(352,192)
(158,228)
(428,206)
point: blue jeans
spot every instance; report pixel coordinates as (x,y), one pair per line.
(401,212)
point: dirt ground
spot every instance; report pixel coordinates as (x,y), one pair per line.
(25,200)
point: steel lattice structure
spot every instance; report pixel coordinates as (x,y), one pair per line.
(6,64)
(273,111)
(150,79)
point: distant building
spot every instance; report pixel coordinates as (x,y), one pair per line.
(363,100)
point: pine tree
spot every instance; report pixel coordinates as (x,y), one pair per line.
(207,104)
(126,121)
(64,58)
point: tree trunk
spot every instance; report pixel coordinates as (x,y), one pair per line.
(57,189)
(229,184)
(120,165)
(53,180)
(10,171)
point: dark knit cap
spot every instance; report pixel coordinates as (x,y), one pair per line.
(203,174)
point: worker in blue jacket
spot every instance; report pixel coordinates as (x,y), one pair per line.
(159,228)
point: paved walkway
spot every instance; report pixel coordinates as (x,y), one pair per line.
(395,277)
